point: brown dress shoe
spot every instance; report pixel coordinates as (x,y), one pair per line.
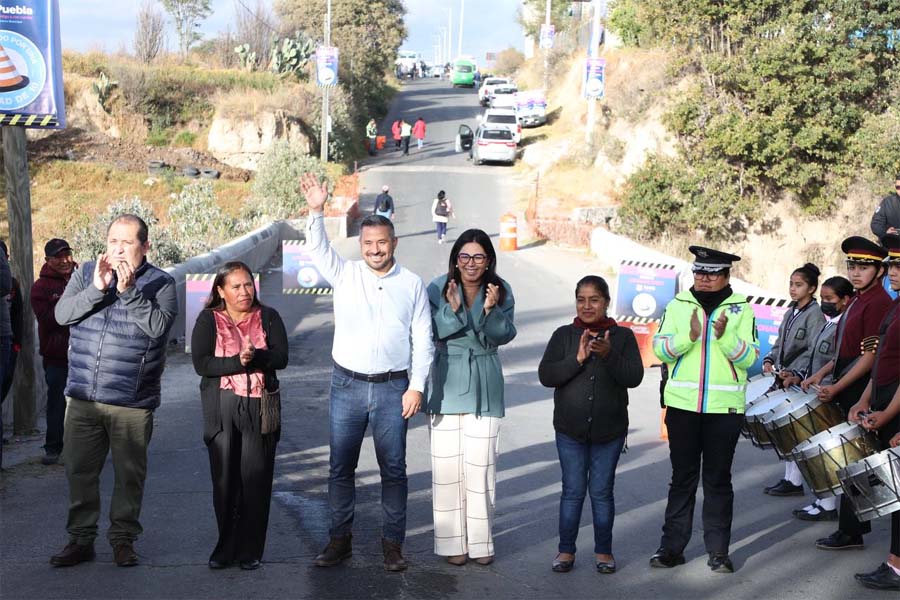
(484,560)
(73,554)
(337,550)
(124,555)
(458,560)
(393,557)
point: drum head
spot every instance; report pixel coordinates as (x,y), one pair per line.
(757,386)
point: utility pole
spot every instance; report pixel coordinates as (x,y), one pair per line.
(326,120)
(18,188)
(547,50)
(450,34)
(599,7)
(462,12)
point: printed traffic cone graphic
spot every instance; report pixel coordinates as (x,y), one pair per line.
(10,79)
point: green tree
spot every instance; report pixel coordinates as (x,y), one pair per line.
(508,61)
(186,16)
(782,89)
(368,34)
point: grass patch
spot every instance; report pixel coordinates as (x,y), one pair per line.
(64,194)
(184,139)
(159,137)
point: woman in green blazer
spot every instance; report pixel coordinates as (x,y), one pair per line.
(472,310)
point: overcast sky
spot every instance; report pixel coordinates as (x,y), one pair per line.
(490,25)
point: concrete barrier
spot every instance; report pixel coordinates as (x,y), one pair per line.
(256,249)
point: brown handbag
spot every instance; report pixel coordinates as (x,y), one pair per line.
(270,411)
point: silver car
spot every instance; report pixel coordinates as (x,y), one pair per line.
(495,145)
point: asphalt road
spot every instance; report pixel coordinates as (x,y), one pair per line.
(773,553)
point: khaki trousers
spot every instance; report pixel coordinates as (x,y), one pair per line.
(91,430)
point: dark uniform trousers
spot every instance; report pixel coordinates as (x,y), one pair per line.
(242,464)
(700,444)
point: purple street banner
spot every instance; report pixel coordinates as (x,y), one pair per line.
(769,314)
(197,287)
(594,77)
(31,83)
(643,289)
(299,274)
(327,66)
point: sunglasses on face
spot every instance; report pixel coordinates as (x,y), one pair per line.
(464,259)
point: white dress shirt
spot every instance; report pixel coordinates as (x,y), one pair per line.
(381,323)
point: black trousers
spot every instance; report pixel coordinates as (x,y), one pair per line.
(405,140)
(700,445)
(242,464)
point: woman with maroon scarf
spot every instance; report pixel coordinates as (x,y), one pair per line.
(591,363)
(237,345)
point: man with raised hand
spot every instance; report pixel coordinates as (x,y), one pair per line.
(382,354)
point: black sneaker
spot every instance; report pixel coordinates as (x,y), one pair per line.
(720,563)
(785,488)
(840,541)
(337,550)
(663,559)
(51,458)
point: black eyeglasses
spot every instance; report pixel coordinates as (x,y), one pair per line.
(708,275)
(464,259)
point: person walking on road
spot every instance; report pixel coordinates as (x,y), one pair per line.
(384,203)
(590,363)
(237,346)
(405,132)
(372,137)
(441,211)
(395,132)
(708,340)
(54,339)
(382,353)
(119,310)
(418,131)
(472,312)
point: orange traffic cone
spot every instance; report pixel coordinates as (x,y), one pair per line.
(509,237)
(10,79)
(663,430)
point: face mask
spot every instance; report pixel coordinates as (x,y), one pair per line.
(830,309)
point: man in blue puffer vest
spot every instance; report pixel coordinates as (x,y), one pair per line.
(119,310)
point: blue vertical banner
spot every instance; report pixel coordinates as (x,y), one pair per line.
(327,66)
(31,84)
(594,77)
(644,289)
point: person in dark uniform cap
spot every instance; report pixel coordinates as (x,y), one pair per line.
(857,339)
(708,340)
(882,397)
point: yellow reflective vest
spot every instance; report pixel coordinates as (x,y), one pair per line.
(708,375)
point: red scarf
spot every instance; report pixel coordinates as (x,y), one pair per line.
(601,325)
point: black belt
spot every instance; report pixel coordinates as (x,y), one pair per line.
(374,377)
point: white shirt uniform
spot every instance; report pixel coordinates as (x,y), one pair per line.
(381,323)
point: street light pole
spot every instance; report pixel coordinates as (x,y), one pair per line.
(449,33)
(599,7)
(323,151)
(462,12)
(546,50)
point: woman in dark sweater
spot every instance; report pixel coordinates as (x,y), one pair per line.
(237,345)
(591,363)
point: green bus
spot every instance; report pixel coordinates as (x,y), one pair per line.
(463,72)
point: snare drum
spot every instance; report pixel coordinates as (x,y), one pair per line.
(753,417)
(873,484)
(820,457)
(801,416)
(757,387)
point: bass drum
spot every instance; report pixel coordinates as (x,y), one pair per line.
(755,415)
(821,457)
(873,484)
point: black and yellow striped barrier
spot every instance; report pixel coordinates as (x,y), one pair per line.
(23,120)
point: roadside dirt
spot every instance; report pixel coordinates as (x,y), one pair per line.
(80,145)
